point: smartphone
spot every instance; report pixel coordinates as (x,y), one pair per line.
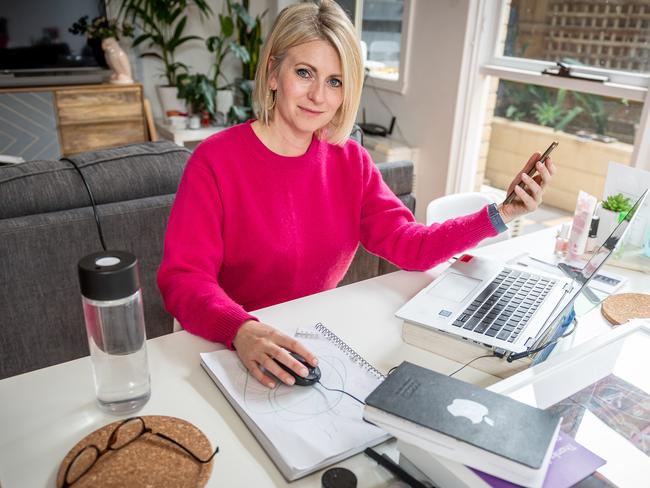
(532,170)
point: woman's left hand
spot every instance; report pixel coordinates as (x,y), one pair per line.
(529,199)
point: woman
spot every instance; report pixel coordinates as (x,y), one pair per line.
(274,209)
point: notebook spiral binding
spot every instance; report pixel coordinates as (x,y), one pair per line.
(354,356)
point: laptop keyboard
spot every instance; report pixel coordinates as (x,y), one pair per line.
(504,307)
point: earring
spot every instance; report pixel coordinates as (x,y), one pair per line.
(272,95)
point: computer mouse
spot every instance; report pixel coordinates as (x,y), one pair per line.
(313,374)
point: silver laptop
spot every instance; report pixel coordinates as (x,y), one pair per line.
(502,306)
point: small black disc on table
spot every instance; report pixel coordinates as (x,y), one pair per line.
(339,478)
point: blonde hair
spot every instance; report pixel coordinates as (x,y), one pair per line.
(305,22)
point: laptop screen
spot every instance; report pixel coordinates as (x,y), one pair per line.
(600,256)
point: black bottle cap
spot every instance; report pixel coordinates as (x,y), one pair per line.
(339,478)
(108,275)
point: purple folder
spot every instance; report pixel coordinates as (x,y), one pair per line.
(570,463)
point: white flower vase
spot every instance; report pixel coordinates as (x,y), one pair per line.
(195,121)
(169,101)
(608,221)
(224,100)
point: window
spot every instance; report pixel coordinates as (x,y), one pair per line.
(383,26)
(568,70)
(381,33)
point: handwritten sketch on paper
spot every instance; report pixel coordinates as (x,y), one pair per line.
(304,424)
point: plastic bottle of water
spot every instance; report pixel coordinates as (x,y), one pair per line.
(112,304)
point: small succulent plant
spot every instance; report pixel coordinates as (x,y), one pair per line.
(617,203)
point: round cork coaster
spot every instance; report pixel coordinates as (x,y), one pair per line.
(149,460)
(618,309)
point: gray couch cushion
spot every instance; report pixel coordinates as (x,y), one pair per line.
(47,225)
(40,303)
(114,175)
(398,175)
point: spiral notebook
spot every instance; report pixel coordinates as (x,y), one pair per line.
(304,428)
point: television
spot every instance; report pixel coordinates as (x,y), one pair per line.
(37,48)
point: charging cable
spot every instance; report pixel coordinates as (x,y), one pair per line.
(92,201)
(514,357)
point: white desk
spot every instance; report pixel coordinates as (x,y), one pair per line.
(44,413)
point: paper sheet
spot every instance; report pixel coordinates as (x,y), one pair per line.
(305,424)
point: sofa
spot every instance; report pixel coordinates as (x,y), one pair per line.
(47,225)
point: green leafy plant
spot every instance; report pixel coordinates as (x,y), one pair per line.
(550,111)
(198,91)
(249,36)
(241,113)
(101,28)
(248,32)
(221,45)
(162,23)
(617,203)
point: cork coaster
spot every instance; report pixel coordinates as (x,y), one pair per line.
(148,461)
(618,309)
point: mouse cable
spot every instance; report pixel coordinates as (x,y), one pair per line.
(341,391)
(92,201)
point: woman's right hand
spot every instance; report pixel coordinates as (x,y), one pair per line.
(258,344)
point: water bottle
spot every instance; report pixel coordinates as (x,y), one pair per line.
(112,305)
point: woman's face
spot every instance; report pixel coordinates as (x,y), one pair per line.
(309,87)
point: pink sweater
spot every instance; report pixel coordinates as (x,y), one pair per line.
(250,229)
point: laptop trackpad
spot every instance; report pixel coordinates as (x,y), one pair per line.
(454,287)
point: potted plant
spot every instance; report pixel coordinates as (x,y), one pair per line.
(199,93)
(104,34)
(220,46)
(611,211)
(162,23)
(248,30)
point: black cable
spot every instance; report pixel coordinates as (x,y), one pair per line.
(470,362)
(514,357)
(341,391)
(92,201)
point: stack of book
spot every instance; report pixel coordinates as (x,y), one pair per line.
(466,424)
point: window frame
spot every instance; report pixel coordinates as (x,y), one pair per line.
(481,62)
(399,85)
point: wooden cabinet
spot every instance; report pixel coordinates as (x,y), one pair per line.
(95,117)
(89,117)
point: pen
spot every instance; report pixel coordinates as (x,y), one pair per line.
(386,462)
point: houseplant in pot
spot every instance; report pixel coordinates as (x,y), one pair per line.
(220,46)
(611,211)
(199,93)
(162,29)
(248,30)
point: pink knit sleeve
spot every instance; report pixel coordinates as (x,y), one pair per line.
(389,230)
(192,257)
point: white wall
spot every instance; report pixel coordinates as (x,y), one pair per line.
(425,112)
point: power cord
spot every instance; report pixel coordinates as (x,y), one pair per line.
(341,391)
(470,362)
(514,357)
(92,201)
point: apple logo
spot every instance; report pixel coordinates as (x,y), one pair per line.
(471,410)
